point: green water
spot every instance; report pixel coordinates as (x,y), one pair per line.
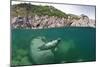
(77,45)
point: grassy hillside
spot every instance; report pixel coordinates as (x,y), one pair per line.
(24,9)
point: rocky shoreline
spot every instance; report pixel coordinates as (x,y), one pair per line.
(41,22)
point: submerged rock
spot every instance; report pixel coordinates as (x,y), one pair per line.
(40,57)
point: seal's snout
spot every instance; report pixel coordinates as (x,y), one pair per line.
(59,39)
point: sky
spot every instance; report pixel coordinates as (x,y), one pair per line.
(68,8)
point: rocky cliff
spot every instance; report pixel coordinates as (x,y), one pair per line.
(39,17)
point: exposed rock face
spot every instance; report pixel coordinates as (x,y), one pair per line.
(84,21)
(40,22)
(39,17)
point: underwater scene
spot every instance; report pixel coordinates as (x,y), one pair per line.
(53,45)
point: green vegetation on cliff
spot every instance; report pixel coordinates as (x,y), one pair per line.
(25,9)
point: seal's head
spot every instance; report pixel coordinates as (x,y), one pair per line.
(58,39)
